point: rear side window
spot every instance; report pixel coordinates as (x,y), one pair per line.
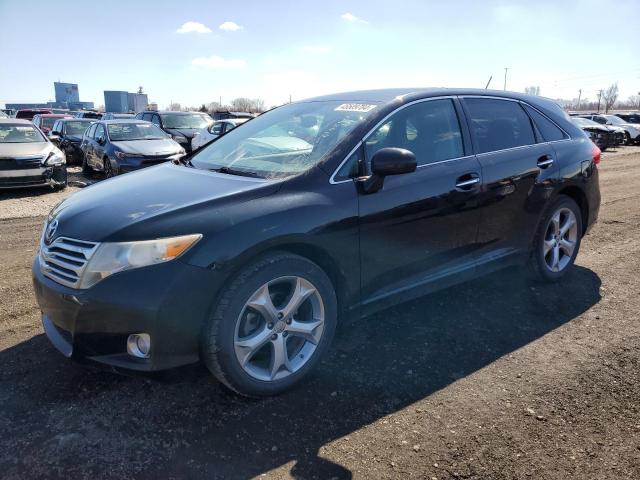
(92,129)
(550,132)
(499,124)
(429,129)
(99,131)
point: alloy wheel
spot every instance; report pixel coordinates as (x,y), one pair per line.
(279,328)
(560,240)
(108,168)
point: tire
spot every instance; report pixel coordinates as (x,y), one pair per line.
(234,326)
(627,138)
(86,169)
(549,240)
(108,169)
(58,188)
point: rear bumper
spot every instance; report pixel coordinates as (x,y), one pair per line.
(169,302)
(33,177)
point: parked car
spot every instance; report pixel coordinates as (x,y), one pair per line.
(3,115)
(94,115)
(599,134)
(246,255)
(44,121)
(67,135)
(226,114)
(29,113)
(180,125)
(205,135)
(27,158)
(630,117)
(116,116)
(631,130)
(120,146)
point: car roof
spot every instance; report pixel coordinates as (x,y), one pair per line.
(172,111)
(52,115)
(20,121)
(122,120)
(77,119)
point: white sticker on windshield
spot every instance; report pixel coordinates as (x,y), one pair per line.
(355,107)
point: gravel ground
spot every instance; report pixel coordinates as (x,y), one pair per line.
(493,379)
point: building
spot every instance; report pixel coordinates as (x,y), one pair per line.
(66,92)
(137,102)
(116,101)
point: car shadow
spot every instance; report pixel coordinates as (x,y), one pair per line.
(186,425)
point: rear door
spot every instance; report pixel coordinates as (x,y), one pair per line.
(87,144)
(420,229)
(519,169)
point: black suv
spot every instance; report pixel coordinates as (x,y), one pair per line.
(246,255)
(182,126)
(67,134)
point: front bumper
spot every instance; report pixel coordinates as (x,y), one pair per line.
(130,164)
(34,177)
(168,301)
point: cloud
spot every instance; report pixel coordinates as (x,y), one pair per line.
(230,27)
(350,17)
(215,62)
(319,49)
(193,27)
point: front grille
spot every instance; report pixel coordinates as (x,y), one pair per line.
(65,258)
(19,163)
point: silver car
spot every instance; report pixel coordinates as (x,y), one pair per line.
(28,158)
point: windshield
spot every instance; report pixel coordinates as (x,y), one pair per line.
(47,122)
(76,128)
(284,141)
(177,120)
(121,132)
(20,134)
(615,120)
(584,122)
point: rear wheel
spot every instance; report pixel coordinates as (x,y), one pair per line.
(557,240)
(271,325)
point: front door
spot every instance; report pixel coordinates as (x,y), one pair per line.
(420,229)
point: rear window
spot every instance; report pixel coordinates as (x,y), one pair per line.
(549,131)
(499,124)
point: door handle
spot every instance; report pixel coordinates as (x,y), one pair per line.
(545,161)
(466,182)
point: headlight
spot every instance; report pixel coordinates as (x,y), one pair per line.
(112,258)
(123,155)
(55,158)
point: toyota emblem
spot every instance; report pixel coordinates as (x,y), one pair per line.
(51,231)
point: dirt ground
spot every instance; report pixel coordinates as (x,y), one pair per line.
(494,379)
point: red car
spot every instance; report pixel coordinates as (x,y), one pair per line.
(28,113)
(44,121)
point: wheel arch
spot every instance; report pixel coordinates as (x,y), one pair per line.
(578,196)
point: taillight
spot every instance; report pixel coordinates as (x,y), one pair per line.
(595,152)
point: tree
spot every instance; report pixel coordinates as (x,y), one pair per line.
(532,90)
(634,101)
(213,106)
(175,107)
(242,104)
(610,95)
(203,108)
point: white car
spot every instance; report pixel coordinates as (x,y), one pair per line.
(632,130)
(205,135)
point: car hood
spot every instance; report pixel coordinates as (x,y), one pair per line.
(156,202)
(34,149)
(595,128)
(162,146)
(185,132)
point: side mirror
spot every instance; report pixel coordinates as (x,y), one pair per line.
(388,161)
(54,137)
(100,140)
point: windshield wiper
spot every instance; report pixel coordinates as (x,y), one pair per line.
(233,171)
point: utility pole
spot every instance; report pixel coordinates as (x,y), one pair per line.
(579,97)
(505,77)
(289,98)
(599,97)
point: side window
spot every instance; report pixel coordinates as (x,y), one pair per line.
(429,129)
(155,119)
(499,124)
(228,126)
(350,168)
(601,120)
(89,133)
(216,129)
(550,132)
(99,131)
(147,116)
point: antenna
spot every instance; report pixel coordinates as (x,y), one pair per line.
(487,85)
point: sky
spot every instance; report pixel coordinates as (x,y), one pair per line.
(194,52)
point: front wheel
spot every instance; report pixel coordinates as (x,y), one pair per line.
(271,325)
(557,240)
(108,168)
(86,169)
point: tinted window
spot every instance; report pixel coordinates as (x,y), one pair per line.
(147,116)
(217,129)
(99,131)
(350,168)
(547,128)
(429,129)
(499,124)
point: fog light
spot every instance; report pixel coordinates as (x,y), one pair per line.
(139,345)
